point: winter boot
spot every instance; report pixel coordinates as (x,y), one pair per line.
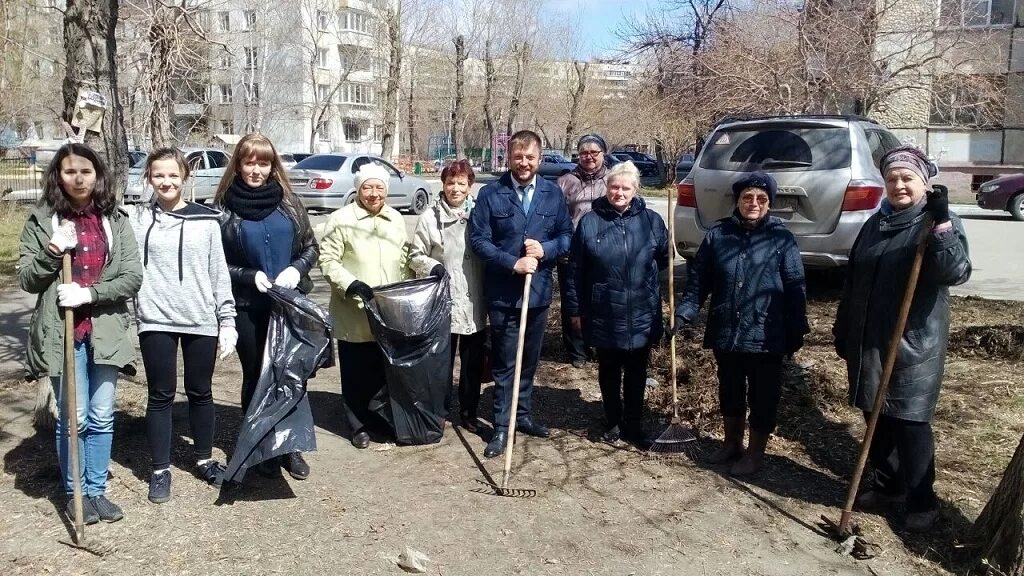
(753,458)
(732,447)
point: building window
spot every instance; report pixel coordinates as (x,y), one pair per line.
(323,20)
(250,19)
(322,57)
(252,92)
(225,60)
(227,127)
(976,101)
(323,92)
(252,58)
(353,130)
(323,131)
(224,21)
(975,13)
(352,60)
(225,93)
(357,94)
(354,21)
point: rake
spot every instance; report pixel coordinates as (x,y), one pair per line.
(677,438)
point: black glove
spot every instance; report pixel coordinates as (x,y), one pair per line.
(938,204)
(793,344)
(840,346)
(438,271)
(360,289)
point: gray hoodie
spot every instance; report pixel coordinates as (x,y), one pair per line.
(186,288)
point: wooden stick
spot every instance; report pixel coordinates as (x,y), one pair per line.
(515,382)
(883,387)
(672,304)
(71,406)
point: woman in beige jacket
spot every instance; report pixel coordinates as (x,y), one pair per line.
(365,245)
(442,235)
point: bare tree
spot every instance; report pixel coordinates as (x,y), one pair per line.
(999,528)
(580,72)
(458,112)
(521,57)
(392,28)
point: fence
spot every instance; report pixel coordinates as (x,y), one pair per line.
(19,180)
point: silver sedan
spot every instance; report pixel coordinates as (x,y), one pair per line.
(327,182)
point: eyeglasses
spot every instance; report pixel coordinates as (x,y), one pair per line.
(761,199)
(590,153)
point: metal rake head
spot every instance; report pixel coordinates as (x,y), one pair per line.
(851,541)
(495,490)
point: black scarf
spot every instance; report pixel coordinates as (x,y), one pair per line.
(253,204)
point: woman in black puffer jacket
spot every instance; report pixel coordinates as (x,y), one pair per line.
(613,295)
(750,265)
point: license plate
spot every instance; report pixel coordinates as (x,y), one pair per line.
(785,203)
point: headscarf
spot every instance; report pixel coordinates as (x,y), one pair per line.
(912,159)
(592,139)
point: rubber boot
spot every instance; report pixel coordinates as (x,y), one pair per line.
(732,447)
(753,458)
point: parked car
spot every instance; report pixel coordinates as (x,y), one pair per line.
(326,182)
(287,160)
(1003,193)
(206,165)
(684,164)
(826,167)
(553,166)
(647,166)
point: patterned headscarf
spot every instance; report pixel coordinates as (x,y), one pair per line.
(912,159)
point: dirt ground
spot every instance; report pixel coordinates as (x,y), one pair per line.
(600,509)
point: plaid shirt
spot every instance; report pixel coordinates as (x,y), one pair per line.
(87,261)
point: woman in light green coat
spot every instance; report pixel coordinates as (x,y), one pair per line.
(78,215)
(442,235)
(365,245)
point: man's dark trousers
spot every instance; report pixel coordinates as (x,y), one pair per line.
(504,341)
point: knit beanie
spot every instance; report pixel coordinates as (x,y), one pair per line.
(912,159)
(756,180)
(371,171)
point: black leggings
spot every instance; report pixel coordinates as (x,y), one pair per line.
(362,366)
(471,357)
(160,357)
(622,375)
(252,325)
(752,377)
(903,455)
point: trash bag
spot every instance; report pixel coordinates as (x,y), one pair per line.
(279,420)
(412,323)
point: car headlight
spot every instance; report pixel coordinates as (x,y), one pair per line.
(986,188)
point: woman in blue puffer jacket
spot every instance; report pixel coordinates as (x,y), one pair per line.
(613,295)
(750,265)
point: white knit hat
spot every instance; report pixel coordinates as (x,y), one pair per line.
(371,171)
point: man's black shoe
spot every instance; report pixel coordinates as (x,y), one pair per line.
(496,447)
(361,440)
(531,428)
(296,465)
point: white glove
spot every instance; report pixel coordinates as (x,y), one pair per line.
(262,282)
(288,278)
(227,338)
(65,237)
(72,295)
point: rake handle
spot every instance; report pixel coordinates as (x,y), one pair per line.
(71,405)
(672,305)
(883,387)
(515,383)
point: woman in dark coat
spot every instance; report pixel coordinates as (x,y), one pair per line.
(902,452)
(613,295)
(750,265)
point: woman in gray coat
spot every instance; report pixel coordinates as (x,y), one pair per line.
(903,452)
(441,235)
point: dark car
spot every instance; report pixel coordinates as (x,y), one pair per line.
(684,165)
(1003,193)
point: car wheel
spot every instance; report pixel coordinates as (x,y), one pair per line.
(350,199)
(419,202)
(1017,206)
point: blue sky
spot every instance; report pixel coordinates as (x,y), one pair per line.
(599,19)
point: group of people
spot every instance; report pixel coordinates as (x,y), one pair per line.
(204,290)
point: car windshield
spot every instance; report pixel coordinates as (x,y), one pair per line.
(321,162)
(778,148)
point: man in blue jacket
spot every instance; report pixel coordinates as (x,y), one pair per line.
(519,225)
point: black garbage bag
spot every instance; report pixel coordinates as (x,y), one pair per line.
(279,420)
(412,323)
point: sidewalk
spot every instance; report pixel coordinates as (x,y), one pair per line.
(16,309)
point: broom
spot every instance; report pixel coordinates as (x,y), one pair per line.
(677,438)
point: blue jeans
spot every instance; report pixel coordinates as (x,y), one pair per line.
(95,386)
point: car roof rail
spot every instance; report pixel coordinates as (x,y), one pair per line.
(754,117)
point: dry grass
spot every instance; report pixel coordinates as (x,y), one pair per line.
(12,220)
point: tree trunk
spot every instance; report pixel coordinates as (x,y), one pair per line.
(390,115)
(522,52)
(575,101)
(414,151)
(489,120)
(90,48)
(158,67)
(1000,526)
(458,110)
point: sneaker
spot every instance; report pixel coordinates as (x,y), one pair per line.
(212,472)
(160,487)
(89,515)
(920,521)
(611,436)
(107,510)
(295,465)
